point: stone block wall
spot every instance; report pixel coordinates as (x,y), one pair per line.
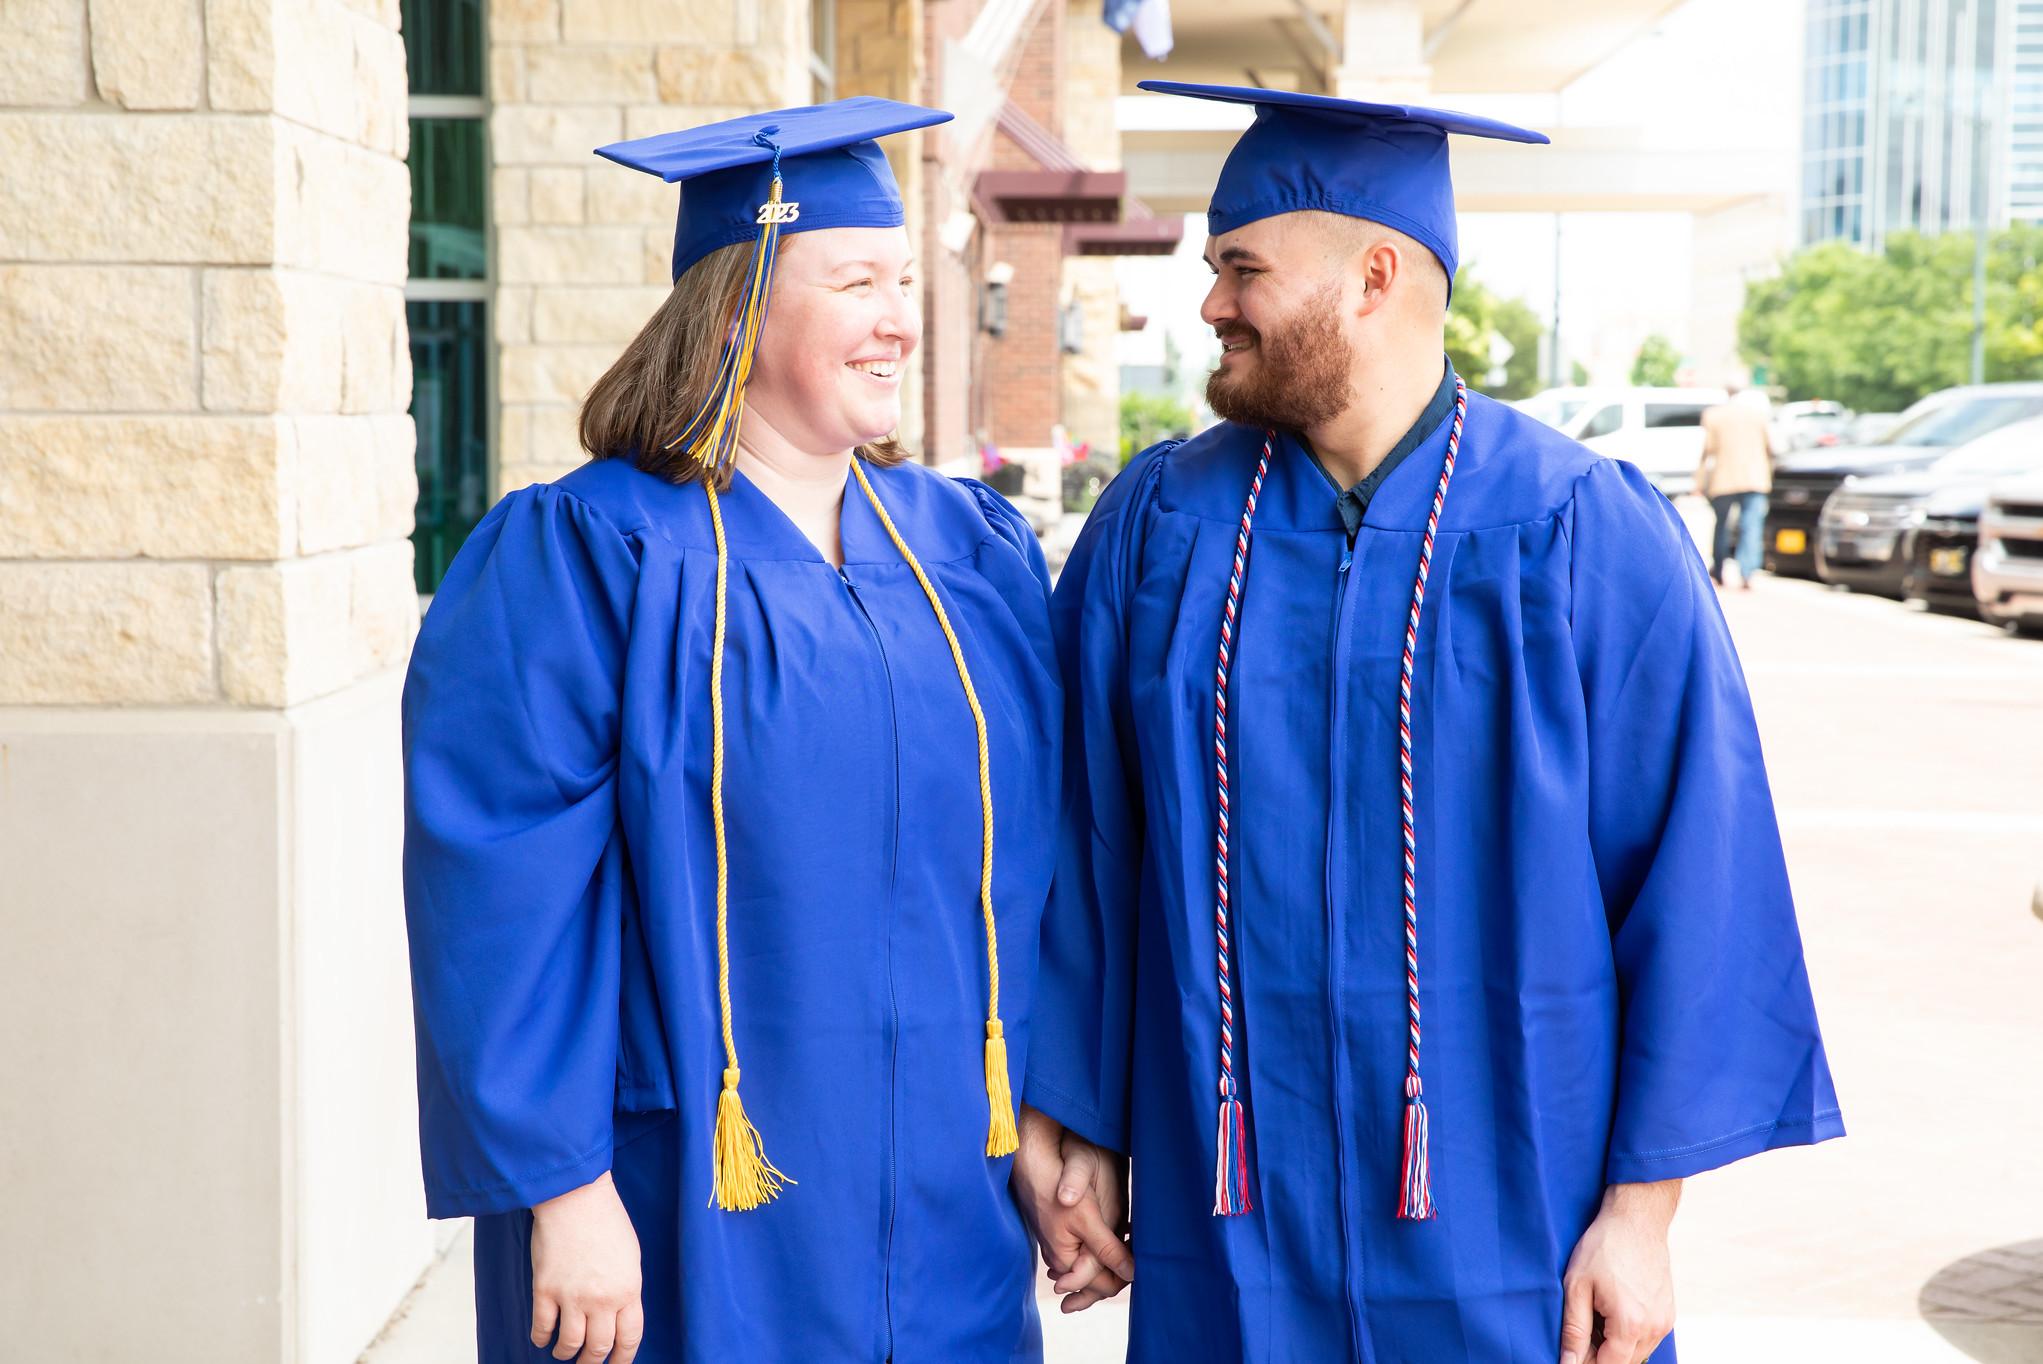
(584,247)
(206,488)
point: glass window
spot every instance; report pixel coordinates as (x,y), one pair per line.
(1674,414)
(447,297)
(1954,423)
(449,187)
(443,46)
(449,405)
(1603,423)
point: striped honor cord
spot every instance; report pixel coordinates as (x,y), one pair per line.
(1230,1158)
(1230,1180)
(1415,1183)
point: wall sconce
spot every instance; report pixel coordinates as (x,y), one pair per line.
(993,299)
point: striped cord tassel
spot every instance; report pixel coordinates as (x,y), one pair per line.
(1230,1160)
(1415,1174)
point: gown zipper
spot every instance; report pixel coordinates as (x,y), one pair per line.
(1336,879)
(893,1003)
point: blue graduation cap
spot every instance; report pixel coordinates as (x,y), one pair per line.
(1383,162)
(835,173)
(753,178)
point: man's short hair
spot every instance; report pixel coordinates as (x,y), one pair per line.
(1348,237)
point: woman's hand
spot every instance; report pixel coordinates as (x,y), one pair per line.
(1071,1194)
(585,1276)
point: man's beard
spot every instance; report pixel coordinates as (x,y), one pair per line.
(1299,375)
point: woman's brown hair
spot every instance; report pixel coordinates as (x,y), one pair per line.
(647,397)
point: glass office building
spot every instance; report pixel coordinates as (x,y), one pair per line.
(1919,115)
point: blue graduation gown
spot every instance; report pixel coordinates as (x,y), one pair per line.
(560,888)
(1612,980)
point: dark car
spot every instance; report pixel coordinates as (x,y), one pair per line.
(1912,534)
(1929,430)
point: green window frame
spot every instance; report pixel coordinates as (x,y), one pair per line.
(452,280)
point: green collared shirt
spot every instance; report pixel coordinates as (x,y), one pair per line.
(1353,503)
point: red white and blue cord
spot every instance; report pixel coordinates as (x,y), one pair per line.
(1230,1179)
(1230,1161)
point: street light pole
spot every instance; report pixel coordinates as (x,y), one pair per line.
(1982,176)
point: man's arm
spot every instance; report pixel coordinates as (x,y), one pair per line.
(1621,1275)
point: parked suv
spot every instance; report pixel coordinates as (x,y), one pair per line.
(1928,431)
(1912,534)
(2007,572)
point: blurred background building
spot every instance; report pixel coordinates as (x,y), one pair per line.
(1920,116)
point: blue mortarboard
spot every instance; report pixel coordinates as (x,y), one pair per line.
(751,179)
(1383,162)
(833,170)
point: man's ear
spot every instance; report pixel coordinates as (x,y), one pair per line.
(1377,268)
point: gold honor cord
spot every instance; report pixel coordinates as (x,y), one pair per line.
(1001,1139)
(742,1176)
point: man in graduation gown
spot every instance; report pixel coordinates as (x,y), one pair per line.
(1389,704)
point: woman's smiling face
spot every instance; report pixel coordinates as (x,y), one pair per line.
(841,322)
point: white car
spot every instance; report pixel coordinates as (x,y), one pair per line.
(1658,429)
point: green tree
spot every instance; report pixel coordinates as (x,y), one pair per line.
(1879,331)
(1578,374)
(1478,318)
(1656,363)
(1147,418)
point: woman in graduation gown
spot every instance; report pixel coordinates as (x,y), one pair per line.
(739,744)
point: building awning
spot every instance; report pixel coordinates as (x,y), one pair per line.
(1099,217)
(1139,233)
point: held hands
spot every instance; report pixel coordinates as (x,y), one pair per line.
(1073,1195)
(1620,1274)
(585,1276)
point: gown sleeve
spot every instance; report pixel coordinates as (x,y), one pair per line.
(1081,1045)
(513,858)
(1012,527)
(1720,1054)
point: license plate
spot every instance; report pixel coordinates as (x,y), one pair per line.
(1947,563)
(1791,541)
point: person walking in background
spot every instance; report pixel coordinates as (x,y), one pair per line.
(1736,475)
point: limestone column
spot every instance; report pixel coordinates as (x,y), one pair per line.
(206,600)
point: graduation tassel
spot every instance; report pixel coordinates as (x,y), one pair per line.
(711,435)
(1001,1137)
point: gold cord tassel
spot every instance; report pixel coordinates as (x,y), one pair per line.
(745,1178)
(1001,1139)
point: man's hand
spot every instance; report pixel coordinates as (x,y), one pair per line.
(1620,1277)
(585,1276)
(1072,1195)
